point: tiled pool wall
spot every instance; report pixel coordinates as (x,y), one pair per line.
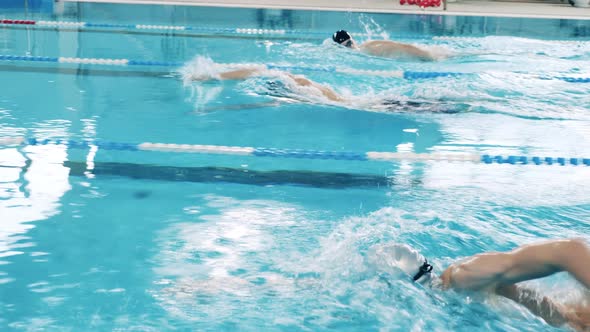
(322,21)
(34,5)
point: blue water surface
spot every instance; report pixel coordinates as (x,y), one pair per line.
(99,240)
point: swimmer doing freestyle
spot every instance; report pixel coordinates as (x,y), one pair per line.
(500,273)
(310,87)
(383,48)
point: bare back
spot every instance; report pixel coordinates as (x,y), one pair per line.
(390,49)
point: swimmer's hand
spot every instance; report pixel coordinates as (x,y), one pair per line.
(577,316)
(324,90)
(202,77)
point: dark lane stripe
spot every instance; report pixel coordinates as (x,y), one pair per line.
(231,175)
(86,71)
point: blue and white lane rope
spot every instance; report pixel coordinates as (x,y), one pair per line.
(127,62)
(300,153)
(381,73)
(65,24)
(90,61)
(477,39)
(152,27)
(240,31)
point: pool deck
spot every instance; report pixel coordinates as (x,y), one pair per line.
(539,9)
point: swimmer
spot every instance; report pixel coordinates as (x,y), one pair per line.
(500,273)
(286,80)
(383,48)
(243,73)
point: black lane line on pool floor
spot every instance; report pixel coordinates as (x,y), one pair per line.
(233,175)
(82,70)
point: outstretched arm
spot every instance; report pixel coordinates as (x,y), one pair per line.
(244,73)
(235,74)
(240,74)
(500,272)
(524,263)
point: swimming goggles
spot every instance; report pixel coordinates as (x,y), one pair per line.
(424,269)
(347,42)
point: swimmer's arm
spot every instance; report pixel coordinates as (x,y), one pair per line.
(329,93)
(503,270)
(236,74)
(326,91)
(541,306)
(527,262)
(240,74)
(554,314)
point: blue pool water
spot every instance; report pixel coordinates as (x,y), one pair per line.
(99,240)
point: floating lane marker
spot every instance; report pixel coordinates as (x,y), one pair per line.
(409,75)
(476,39)
(61,24)
(114,62)
(244,31)
(191,148)
(18,22)
(90,61)
(380,73)
(260,32)
(159,27)
(67,24)
(301,153)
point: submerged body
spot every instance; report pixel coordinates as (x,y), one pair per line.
(300,88)
(499,272)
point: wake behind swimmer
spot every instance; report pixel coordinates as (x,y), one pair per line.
(282,84)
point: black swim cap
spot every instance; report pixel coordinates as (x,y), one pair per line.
(341,36)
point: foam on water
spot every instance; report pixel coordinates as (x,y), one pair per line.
(237,258)
(498,79)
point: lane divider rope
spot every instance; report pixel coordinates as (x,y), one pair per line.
(94,61)
(239,31)
(410,75)
(65,24)
(476,39)
(300,153)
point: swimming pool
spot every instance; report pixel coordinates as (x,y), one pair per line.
(99,238)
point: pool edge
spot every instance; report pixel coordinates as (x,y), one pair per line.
(376,9)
